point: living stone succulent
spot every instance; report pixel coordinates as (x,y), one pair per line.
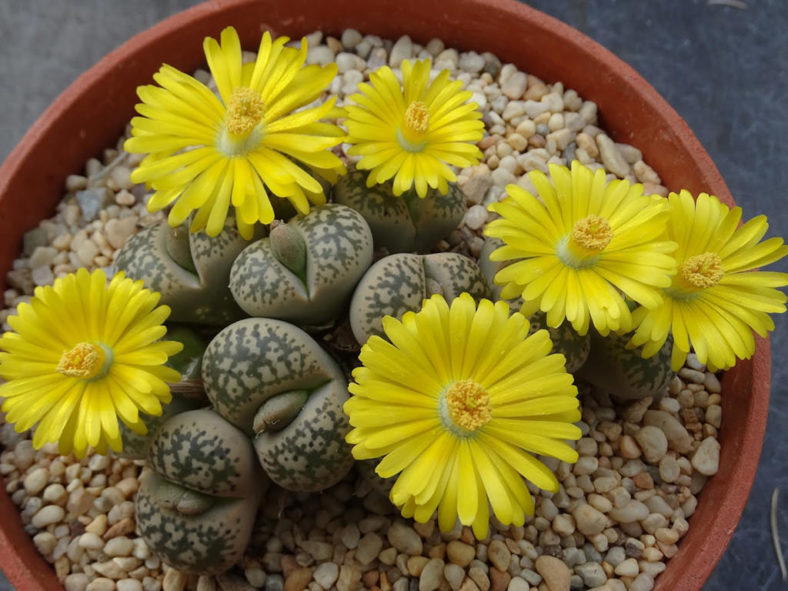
(275,383)
(305,271)
(622,372)
(188,394)
(197,501)
(190,270)
(490,268)
(566,341)
(400,282)
(403,223)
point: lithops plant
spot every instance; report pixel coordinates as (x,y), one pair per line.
(490,268)
(197,502)
(405,223)
(275,382)
(566,341)
(622,372)
(305,271)
(190,270)
(188,394)
(400,282)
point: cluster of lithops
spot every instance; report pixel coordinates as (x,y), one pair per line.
(273,250)
(263,386)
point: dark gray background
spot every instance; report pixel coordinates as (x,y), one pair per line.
(722,68)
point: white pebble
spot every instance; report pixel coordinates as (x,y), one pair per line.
(35,481)
(129,585)
(402,49)
(47,515)
(706,459)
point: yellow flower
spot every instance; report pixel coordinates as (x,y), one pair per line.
(206,153)
(717,298)
(83,354)
(414,131)
(581,246)
(454,403)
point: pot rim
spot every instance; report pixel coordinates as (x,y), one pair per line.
(602,77)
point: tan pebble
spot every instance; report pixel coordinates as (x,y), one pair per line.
(628,447)
(119,546)
(91,541)
(45,542)
(35,481)
(460,553)
(611,156)
(127,563)
(174,580)
(388,556)
(652,442)
(499,555)
(76,582)
(499,579)
(714,415)
(298,579)
(206,583)
(109,569)
(101,584)
(129,585)
(563,525)
(632,511)
(125,198)
(404,539)
(119,230)
(677,435)
(416,564)
(47,515)
(469,585)
(479,577)
(349,577)
(643,480)
(431,575)
(98,526)
(554,572)
(438,551)
(706,458)
(588,520)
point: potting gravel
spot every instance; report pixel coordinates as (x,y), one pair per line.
(621,509)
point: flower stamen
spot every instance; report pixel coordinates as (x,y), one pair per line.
(592,233)
(416,123)
(84,360)
(701,271)
(244,112)
(465,407)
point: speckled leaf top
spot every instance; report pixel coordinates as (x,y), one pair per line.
(253,361)
(400,282)
(191,271)
(197,503)
(405,223)
(338,250)
(622,372)
(200,450)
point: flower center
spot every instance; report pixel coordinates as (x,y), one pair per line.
(416,122)
(465,407)
(86,361)
(701,271)
(592,234)
(588,238)
(243,128)
(244,111)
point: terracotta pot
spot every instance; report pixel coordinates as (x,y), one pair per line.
(92,112)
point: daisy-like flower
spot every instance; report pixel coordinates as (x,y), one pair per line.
(717,298)
(413,131)
(206,153)
(81,354)
(581,246)
(454,403)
